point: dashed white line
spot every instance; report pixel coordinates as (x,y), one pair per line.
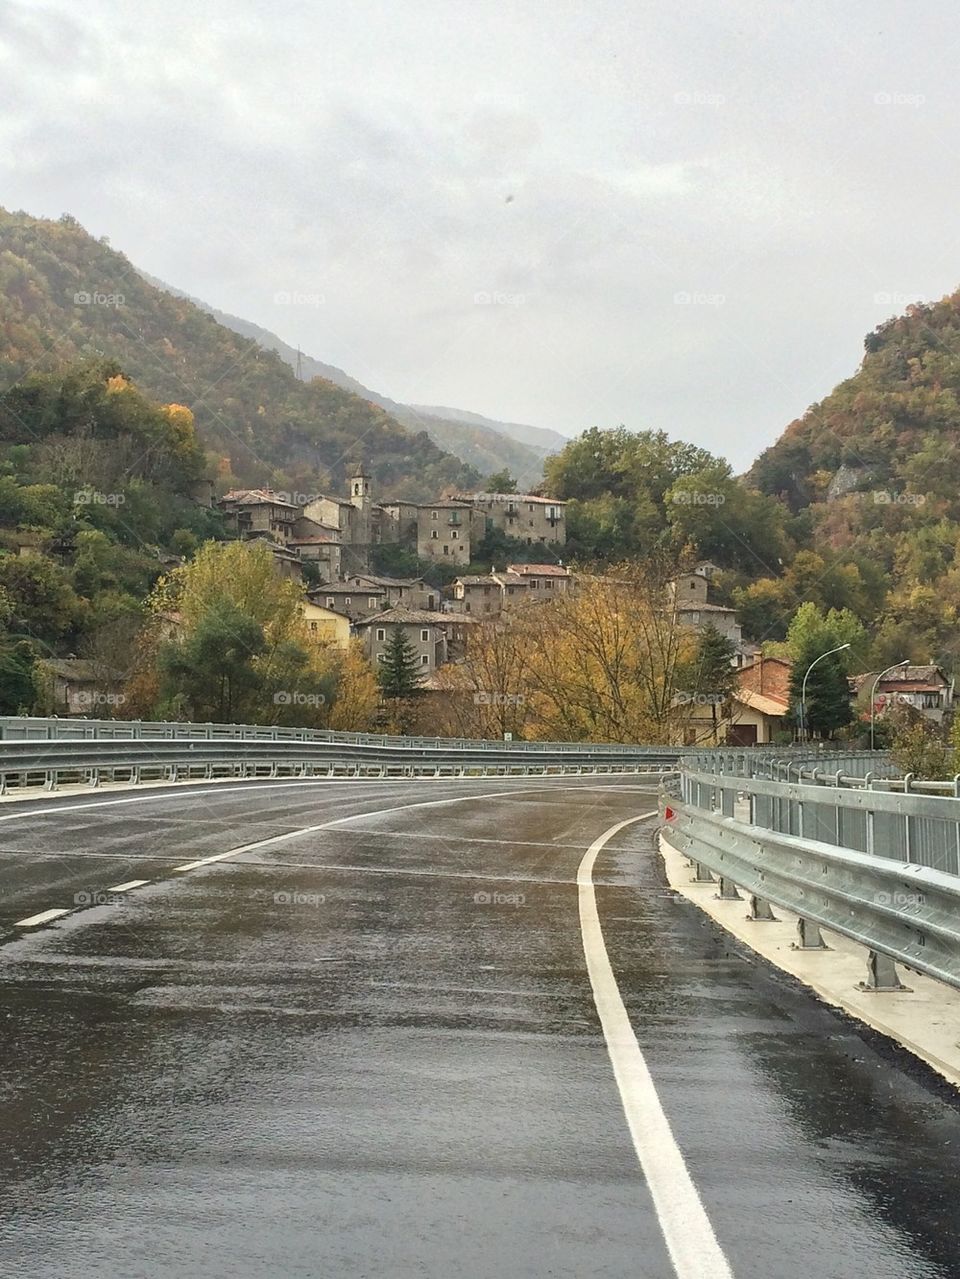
(123,888)
(691,1242)
(44,917)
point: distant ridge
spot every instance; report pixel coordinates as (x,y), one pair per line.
(481,442)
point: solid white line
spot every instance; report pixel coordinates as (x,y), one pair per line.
(686,1228)
(355,817)
(41,918)
(184,791)
(133,883)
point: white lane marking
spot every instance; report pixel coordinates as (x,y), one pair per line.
(133,883)
(42,918)
(693,1247)
(186,793)
(337,821)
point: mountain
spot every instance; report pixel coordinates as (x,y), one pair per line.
(481,442)
(65,296)
(536,437)
(890,433)
(871,477)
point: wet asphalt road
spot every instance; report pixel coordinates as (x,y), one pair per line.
(372,1050)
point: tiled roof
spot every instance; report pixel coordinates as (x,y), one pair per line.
(409,615)
(760,702)
(539,570)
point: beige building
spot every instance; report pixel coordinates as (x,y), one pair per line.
(410,591)
(546,581)
(425,631)
(528,518)
(688,595)
(354,601)
(259,513)
(326,625)
(445,531)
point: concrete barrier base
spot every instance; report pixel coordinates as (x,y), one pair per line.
(925,1020)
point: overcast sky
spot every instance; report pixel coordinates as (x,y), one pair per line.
(673,215)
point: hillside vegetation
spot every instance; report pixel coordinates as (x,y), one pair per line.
(481,443)
(66,296)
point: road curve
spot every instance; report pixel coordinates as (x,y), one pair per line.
(423,1028)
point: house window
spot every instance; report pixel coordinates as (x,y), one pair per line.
(434,515)
(381,633)
(424,636)
(424,660)
(547,586)
(348,600)
(372,601)
(313,626)
(434,535)
(446,549)
(467,609)
(330,601)
(379,657)
(534,584)
(455,535)
(529,506)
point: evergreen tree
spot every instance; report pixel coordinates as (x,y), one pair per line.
(714,674)
(828,705)
(399,672)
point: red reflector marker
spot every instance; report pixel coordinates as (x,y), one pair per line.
(668,814)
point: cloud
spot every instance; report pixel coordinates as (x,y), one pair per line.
(596,161)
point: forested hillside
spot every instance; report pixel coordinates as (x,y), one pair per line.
(856,508)
(477,440)
(66,296)
(97,499)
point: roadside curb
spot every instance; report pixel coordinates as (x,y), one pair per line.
(926,1022)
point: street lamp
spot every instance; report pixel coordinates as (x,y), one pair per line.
(803,690)
(873,695)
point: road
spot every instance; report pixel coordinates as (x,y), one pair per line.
(366,1044)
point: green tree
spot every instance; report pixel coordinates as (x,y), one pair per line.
(828,704)
(399,673)
(714,675)
(211,674)
(501,482)
(920,747)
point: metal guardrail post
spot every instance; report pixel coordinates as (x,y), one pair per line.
(882,974)
(809,936)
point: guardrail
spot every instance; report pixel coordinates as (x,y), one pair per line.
(50,763)
(876,859)
(15,728)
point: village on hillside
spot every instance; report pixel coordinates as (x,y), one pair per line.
(327,545)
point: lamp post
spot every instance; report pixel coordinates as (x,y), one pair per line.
(873,695)
(803,689)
